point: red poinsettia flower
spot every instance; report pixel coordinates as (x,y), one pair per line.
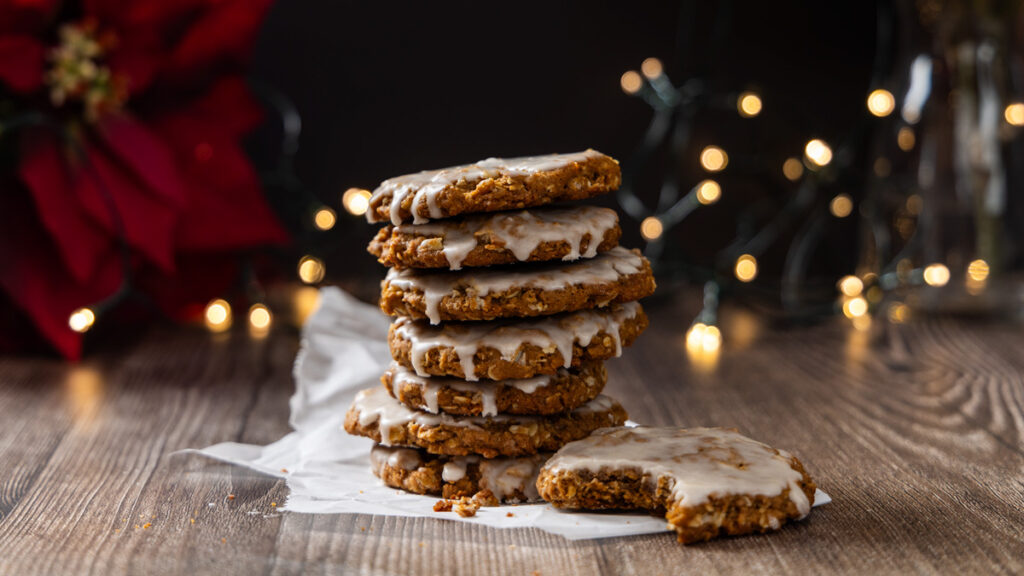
(126,124)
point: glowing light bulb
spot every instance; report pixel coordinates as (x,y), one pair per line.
(1014,114)
(708,192)
(356,201)
(792,169)
(325,218)
(851,285)
(855,307)
(914,204)
(81,320)
(936,275)
(651,68)
(311,269)
(898,313)
(695,337)
(218,315)
(978,270)
(746,268)
(748,104)
(905,138)
(651,228)
(713,159)
(711,340)
(881,103)
(631,82)
(259,318)
(818,152)
(841,206)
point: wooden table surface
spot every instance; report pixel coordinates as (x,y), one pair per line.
(917,433)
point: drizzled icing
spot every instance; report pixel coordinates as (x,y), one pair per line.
(504,477)
(521,232)
(376,405)
(425,186)
(551,334)
(702,462)
(435,286)
(485,392)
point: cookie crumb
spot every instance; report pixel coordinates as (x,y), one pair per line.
(273,504)
(485,498)
(147,526)
(509,515)
(466,507)
(231,496)
(284,470)
(191,520)
(443,506)
(223,540)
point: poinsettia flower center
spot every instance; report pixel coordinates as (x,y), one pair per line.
(77,73)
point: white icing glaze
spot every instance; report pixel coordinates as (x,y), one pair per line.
(396,457)
(701,461)
(425,186)
(483,391)
(376,405)
(435,286)
(551,334)
(521,232)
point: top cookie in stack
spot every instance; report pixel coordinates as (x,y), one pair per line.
(505,310)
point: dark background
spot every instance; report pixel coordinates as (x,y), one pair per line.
(386,88)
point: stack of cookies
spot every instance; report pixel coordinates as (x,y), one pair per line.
(505,309)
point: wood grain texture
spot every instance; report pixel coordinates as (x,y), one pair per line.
(917,431)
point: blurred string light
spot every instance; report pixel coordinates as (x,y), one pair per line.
(651,68)
(217,315)
(714,159)
(841,206)
(881,103)
(818,152)
(651,228)
(851,286)
(260,318)
(81,320)
(936,275)
(1014,114)
(905,138)
(631,82)
(748,104)
(792,169)
(311,269)
(745,268)
(356,201)
(325,218)
(854,307)
(708,192)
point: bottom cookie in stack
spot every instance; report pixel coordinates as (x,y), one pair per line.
(452,456)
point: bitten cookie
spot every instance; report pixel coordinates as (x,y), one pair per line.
(619,275)
(492,185)
(511,480)
(376,415)
(711,481)
(533,235)
(510,349)
(541,395)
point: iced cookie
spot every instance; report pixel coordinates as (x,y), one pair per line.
(545,394)
(619,275)
(508,349)
(376,415)
(493,185)
(711,481)
(510,480)
(503,238)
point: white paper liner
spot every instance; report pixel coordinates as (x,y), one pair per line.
(344,350)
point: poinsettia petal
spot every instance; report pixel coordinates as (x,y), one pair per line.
(140,151)
(26,16)
(34,280)
(80,241)
(21,63)
(221,37)
(226,208)
(230,104)
(115,198)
